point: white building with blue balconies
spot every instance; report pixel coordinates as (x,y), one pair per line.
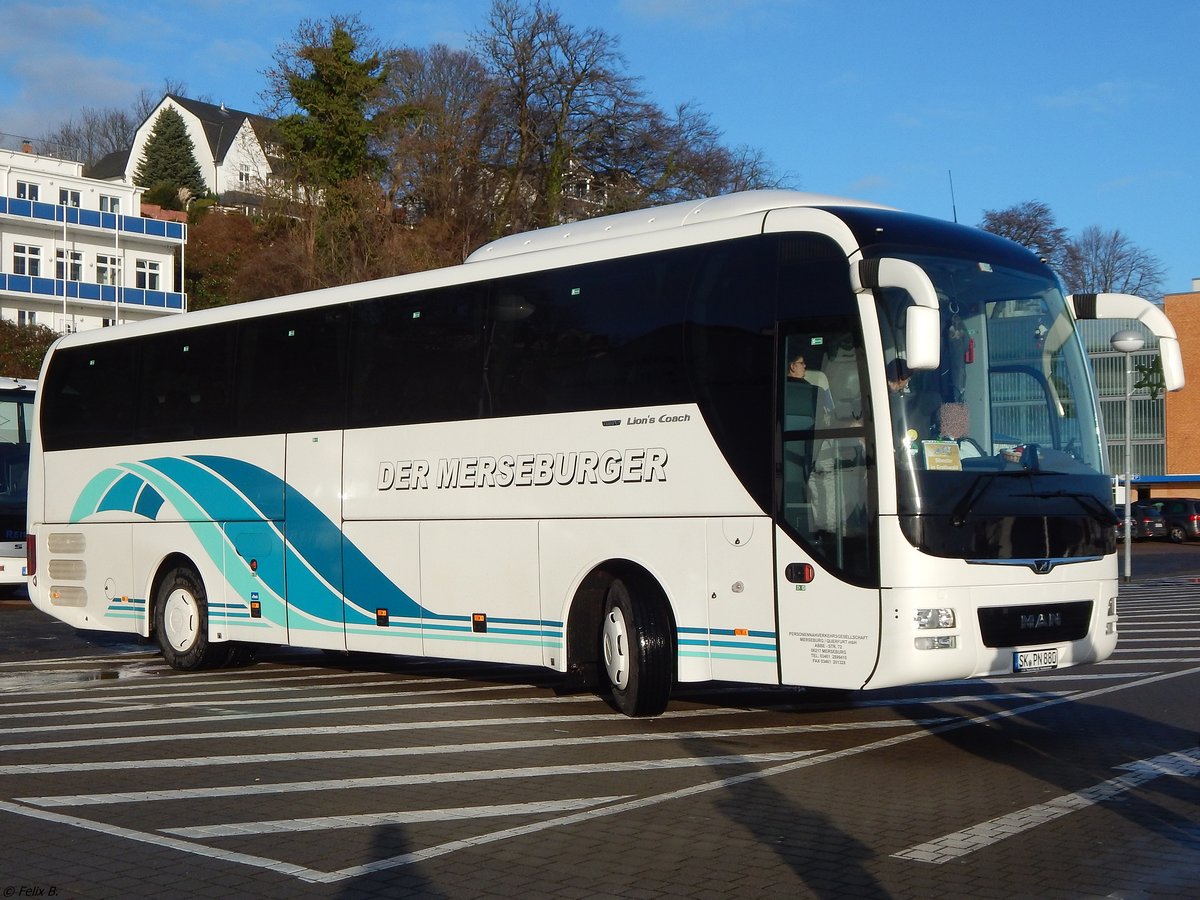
(78,253)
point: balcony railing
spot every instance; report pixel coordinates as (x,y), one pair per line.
(83,290)
(72,215)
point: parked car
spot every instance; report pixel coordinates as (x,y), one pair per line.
(1181,515)
(1145,521)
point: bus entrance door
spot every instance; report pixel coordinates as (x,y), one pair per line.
(828,628)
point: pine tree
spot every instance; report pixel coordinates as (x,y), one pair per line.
(335,82)
(170,156)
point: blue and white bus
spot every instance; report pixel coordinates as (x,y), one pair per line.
(591,448)
(16,421)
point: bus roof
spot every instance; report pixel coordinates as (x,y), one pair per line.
(660,218)
(8,383)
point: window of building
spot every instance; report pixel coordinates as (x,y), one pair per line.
(27,190)
(68,198)
(110,204)
(146,276)
(68,265)
(26,317)
(27,260)
(108,270)
(244,174)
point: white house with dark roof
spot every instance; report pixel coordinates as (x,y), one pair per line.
(231,148)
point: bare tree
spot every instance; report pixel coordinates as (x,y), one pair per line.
(1100,260)
(558,84)
(95,133)
(442,125)
(681,156)
(576,135)
(1032,225)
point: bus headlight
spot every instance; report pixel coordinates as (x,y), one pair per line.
(935,618)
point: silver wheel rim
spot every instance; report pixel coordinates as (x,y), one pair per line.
(616,648)
(181,619)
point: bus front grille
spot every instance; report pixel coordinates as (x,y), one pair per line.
(1045,623)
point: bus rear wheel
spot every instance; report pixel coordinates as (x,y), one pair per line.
(181,622)
(635,647)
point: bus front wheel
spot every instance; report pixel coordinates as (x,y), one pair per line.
(181,622)
(635,647)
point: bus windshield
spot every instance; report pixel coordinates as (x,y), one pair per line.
(998,451)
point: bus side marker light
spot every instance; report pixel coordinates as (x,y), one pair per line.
(479,623)
(741,632)
(381,617)
(255,609)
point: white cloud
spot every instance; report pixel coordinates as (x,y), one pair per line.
(1105,97)
(702,14)
(869,185)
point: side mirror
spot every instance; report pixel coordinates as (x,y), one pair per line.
(922,326)
(1129,306)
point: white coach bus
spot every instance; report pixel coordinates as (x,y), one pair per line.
(589,448)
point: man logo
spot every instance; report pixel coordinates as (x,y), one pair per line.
(1041,620)
(1042,566)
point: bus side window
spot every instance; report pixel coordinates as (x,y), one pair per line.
(187,374)
(291,372)
(416,357)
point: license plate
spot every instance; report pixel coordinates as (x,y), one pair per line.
(1035,660)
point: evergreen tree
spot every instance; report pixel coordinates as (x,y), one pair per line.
(335,81)
(170,156)
(22,348)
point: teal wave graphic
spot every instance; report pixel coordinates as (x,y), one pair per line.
(308,565)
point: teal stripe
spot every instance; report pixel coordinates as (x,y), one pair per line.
(93,493)
(769,658)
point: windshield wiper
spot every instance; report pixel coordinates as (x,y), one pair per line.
(980,486)
(1092,506)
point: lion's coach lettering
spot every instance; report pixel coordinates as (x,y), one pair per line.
(639,464)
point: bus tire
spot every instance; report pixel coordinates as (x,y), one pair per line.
(181,622)
(636,651)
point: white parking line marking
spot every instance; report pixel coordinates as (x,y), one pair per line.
(199,762)
(618,808)
(259,862)
(318,730)
(371,820)
(229,718)
(111,693)
(380,781)
(313,875)
(960,843)
(206,701)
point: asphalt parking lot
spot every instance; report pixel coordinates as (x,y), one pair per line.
(299,776)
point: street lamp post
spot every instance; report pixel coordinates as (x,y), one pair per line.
(1129,343)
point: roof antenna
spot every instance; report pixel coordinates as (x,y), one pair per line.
(953,205)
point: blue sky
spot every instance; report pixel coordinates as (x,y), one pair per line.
(1090,106)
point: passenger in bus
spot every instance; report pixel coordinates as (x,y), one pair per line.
(798,370)
(898,375)
(806,395)
(901,405)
